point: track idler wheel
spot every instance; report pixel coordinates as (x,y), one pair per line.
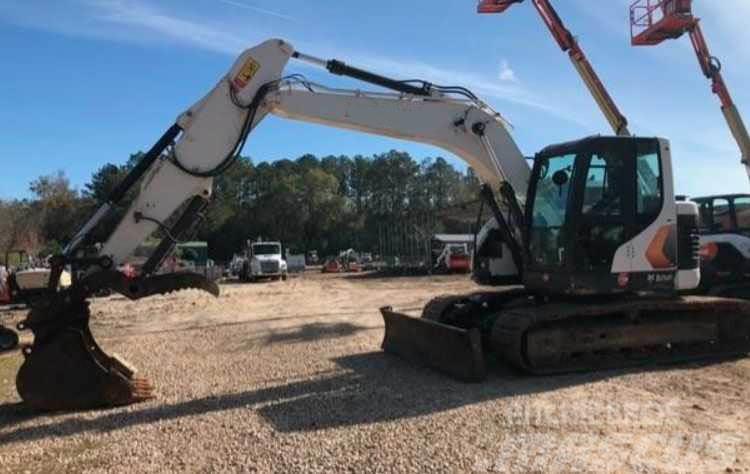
(8,339)
(67,370)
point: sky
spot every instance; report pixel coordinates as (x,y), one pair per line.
(87,82)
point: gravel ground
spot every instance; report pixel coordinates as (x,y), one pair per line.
(288,377)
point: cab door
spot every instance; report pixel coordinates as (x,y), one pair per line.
(605,207)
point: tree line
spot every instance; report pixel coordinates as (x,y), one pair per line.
(326,204)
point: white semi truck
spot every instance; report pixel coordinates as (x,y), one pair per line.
(263,260)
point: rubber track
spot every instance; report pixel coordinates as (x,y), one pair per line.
(731,315)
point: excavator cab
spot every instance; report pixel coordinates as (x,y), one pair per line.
(587,200)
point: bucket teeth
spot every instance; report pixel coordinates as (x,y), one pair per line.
(70,372)
(65,369)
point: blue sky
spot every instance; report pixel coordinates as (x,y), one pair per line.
(85,82)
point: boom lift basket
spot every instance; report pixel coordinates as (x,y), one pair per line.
(653,21)
(495,6)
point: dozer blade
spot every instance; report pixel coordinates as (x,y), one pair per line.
(65,369)
(448,349)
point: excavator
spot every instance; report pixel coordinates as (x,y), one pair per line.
(725,248)
(597,249)
(724,220)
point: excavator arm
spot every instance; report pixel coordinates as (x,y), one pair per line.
(65,368)
(212,128)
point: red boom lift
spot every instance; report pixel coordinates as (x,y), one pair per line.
(568,44)
(653,21)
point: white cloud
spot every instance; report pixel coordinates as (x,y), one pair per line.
(256,9)
(506,73)
(137,15)
(142,21)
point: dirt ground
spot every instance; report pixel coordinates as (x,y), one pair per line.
(288,377)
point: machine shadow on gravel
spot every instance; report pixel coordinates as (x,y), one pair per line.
(376,387)
(380,387)
(315,332)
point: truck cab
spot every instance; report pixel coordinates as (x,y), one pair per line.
(263,260)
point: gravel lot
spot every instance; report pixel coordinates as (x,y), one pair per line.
(288,376)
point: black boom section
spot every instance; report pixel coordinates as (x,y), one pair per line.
(506,231)
(144,163)
(340,68)
(165,247)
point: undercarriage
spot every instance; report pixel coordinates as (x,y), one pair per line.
(541,336)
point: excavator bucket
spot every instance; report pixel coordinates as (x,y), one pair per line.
(65,369)
(448,349)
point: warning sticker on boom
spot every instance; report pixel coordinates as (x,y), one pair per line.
(246,74)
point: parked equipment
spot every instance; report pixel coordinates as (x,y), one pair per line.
(332,265)
(25,281)
(263,260)
(455,258)
(725,246)
(600,247)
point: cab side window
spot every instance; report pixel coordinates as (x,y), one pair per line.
(742,211)
(721,217)
(704,215)
(649,186)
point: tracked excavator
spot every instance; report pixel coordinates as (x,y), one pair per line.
(598,250)
(724,218)
(724,227)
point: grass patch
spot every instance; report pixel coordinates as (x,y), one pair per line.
(9,365)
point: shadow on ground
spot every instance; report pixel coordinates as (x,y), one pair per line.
(391,274)
(315,332)
(373,387)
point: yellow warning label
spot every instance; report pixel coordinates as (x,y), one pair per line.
(246,74)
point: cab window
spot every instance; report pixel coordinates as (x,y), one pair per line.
(649,185)
(550,208)
(603,213)
(742,211)
(704,214)
(721,217)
